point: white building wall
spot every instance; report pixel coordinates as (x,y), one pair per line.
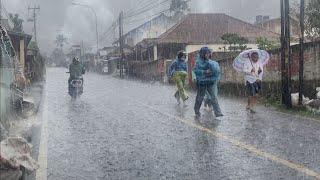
(151,29)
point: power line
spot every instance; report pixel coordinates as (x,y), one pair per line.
(107,37)
(162,10)
(109,40)
(109,32)
(141,6)
(7,14)
(149,17)
(34,9)
(112,27)
(146,9)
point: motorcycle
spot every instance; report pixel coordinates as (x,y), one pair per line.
(76,87)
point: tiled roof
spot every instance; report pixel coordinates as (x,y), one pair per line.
(208,28)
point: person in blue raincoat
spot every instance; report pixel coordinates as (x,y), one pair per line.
(179,73)
(207,74)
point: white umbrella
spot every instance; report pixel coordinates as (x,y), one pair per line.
(243,57)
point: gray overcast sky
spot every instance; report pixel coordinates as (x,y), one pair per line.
(77,23)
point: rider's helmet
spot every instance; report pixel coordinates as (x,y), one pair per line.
(75,60)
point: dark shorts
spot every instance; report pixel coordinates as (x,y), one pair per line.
(253,88)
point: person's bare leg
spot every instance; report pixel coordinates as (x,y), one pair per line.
(253,103)
(249,103)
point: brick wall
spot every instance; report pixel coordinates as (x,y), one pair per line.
(154,70)
(232,82)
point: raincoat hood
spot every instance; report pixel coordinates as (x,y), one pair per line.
(203,51)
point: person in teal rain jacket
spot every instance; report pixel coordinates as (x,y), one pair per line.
(207,74)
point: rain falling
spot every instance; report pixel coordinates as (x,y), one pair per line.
(159,89)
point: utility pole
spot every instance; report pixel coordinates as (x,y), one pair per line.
(121,43)
(301,63)
(82,53)
(82,47)
(285,54)
(283,57)
(0,11)
(34,9)
(288,52)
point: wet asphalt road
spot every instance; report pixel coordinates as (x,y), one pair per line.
(121,129)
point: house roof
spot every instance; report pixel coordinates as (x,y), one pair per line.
(162,15)
(19,35)
(208,28)
(147,42)
(108,48)
(126,50)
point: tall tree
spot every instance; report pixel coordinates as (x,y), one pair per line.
(58,57)
(313,19)
(235,41)
(33,45)
(179,7)
(242,41)
(229,38)
(265,44)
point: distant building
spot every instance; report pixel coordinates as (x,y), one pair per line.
(261,19)
(150,29)
(197,30)
(75,51)
(104,52)
(274,25)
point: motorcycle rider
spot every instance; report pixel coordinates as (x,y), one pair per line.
(76,70)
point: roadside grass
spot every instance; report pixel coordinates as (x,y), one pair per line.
(300,111)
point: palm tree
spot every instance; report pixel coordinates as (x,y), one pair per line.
(61,40)
(17,22)
(179,7)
